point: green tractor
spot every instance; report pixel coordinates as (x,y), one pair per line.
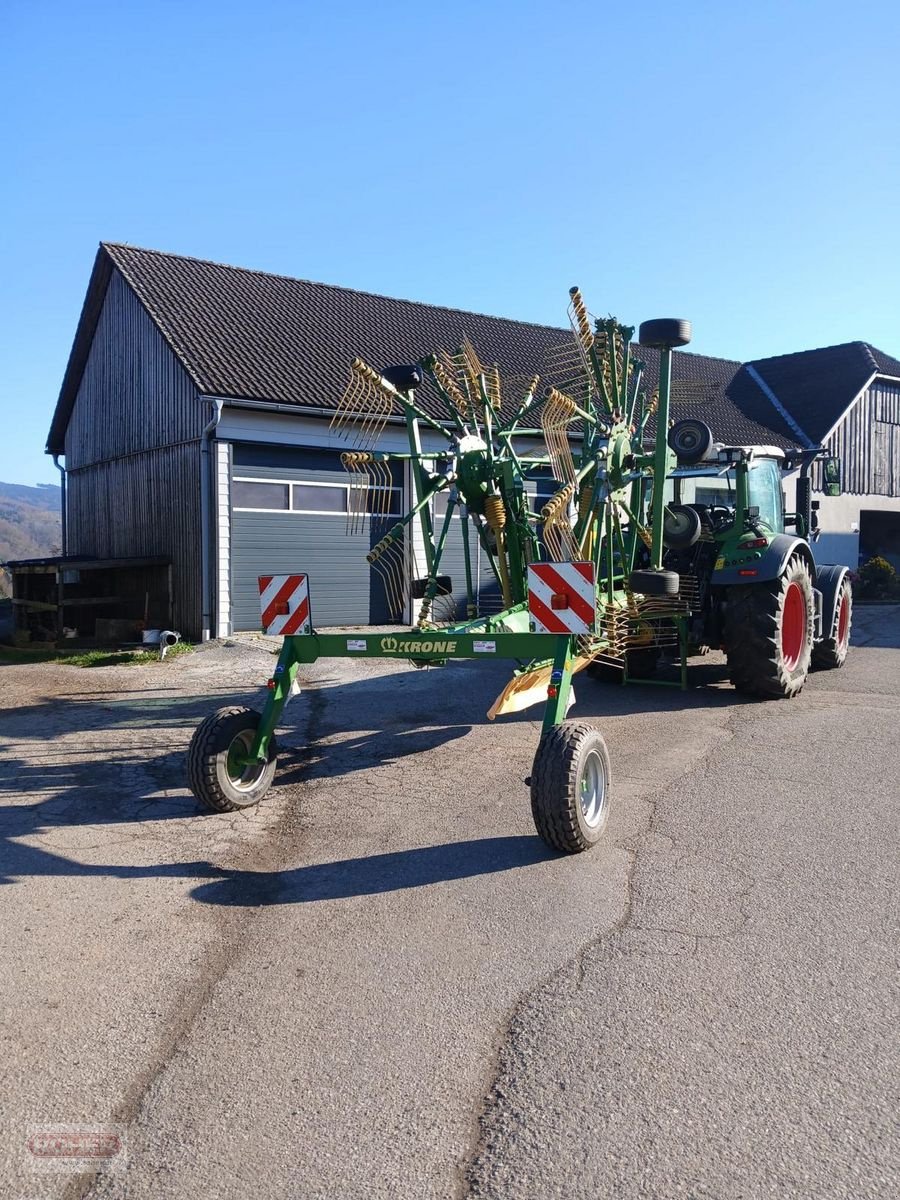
(754,588)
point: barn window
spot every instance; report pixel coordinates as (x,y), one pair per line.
(253,494)
(319,498)
(380,504)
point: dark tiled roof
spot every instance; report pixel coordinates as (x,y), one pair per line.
(713,390)
(816,386)
(883,362)
(247,335)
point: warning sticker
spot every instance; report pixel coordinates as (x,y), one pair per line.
(484,647)
(356,643)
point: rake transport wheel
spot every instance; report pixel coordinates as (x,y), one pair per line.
(654,583)
(570,787)
(768,633)
(832,651)
(215,776)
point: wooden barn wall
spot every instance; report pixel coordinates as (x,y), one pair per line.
(144,504)
(134,394)
(868,443)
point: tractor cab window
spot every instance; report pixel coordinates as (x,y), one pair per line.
(765,493)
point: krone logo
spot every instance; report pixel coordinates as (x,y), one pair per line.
(389,645)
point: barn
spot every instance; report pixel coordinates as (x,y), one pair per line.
(194,424)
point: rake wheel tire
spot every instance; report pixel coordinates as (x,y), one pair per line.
(690,439)
(654,583)
(570,787)
(681,526)
(209,776)
(664,333)
(768,653)
(831,652)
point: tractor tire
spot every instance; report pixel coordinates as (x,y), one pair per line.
(221,785)
(831,652)
(690,440)
(768,633)
(681,526)
(664,333)
(654,583)
(570,787)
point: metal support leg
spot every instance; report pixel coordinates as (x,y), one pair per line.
(560,684)
(280,687)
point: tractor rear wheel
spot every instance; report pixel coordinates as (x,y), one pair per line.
(832,651)
(570,787)
(768,633)
(216,774)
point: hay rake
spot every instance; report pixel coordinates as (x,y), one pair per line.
(581,580)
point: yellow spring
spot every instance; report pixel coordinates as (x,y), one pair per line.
(560,501)
(376,552)
(492,379)
(581,318)
(448,384)
(494,512)
(584,500)
(367,373)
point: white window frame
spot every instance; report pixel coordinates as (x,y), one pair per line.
(311,512)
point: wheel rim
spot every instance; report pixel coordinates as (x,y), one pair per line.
(843,631)
(242,777)
(793,626)
(593,790)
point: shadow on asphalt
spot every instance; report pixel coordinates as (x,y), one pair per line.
(414,711)
(376,874)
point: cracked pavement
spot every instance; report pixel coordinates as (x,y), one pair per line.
(380,984)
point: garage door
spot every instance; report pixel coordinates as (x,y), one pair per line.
(288,514)
(484,582)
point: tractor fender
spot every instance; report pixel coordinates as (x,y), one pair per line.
(828,581)
(772,563)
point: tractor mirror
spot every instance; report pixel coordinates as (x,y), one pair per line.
(831,476)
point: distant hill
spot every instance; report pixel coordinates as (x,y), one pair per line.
(30,524)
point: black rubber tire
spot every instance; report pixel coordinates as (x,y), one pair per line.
(642,664)
(664,333)
(690,440)
(752,639)
(642,661)
(654,583)
(605,672)
(404,378)
(563,755)
(831,652)
(207,761)
(681,526)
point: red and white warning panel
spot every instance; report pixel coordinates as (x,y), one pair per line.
(284,601)
(561,597)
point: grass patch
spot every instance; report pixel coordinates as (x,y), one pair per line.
(90,658)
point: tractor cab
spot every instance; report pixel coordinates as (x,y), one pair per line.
(743,480)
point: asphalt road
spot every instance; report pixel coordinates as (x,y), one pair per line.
(380,984)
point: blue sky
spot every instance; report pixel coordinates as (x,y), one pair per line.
(734,164)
